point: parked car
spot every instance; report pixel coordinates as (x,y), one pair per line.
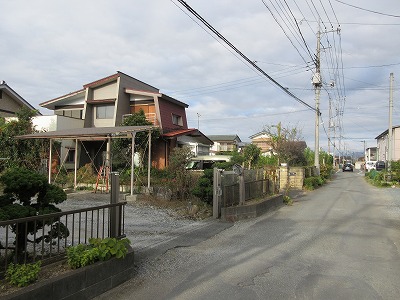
(370,165)
(348,167)
(380,165)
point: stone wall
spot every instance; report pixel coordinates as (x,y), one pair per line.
(292,177)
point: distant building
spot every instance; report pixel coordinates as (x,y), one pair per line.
(10,101)
(371,154)
(224,143)
(262,140)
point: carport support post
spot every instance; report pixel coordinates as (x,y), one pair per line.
(50,154)
(149,164)
(76,163)
(133,161)
(115,216)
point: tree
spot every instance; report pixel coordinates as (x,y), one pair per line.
(251,154)
(27,193)
(123,146)
(19,152)
(287,144)
(181,179)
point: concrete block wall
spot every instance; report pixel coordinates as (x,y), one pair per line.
(83,283)
(240,212)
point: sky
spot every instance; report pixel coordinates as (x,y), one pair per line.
(51,48)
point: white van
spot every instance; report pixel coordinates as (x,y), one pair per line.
(202,162)
(370,165)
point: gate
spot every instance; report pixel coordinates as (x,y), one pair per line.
(236,187)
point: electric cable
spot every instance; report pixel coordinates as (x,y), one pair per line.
(219,35)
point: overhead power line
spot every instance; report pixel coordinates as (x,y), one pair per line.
(252,63)
(371,11)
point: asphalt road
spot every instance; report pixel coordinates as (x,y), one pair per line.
(338,242)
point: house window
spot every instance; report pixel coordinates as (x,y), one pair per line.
(177,120)
(70,156)
(76,114)
(105,112)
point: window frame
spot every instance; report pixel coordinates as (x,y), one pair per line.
(107,113)
(177,119)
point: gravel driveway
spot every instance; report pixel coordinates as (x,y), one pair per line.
(146,226)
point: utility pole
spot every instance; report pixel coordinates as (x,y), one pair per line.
(329,126)
(317,86)
(198,121)
(364,149)
(390,131)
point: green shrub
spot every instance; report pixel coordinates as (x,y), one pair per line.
(110,247)
(82,255)
(98,249)
(310,183)
(287,200)
(24,274)
(204,187)
(326,171)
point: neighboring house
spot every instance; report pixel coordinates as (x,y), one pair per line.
(10,101)
(224,143)
(371,154)
(262,140)
(105,103)
(382,144)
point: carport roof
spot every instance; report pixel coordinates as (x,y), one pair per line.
(89,133)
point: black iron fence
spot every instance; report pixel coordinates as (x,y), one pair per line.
(46,237)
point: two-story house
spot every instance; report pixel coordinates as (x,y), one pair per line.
(224,143)
(10,101)
(105,102)
(382,141)
(263,141)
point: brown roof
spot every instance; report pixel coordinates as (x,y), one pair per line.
(192,132)
(102,81)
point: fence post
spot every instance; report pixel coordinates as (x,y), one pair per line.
(217,192)
(238,169)
(242,191)
(115,213)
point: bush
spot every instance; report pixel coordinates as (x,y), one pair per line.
(287,200)
(99,249)
(310,183)
(110,247)
(27,193)
(23,275)
(81,255)
(326,171)
(204,187)
(378,178)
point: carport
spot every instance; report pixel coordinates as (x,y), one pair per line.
(96,134)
